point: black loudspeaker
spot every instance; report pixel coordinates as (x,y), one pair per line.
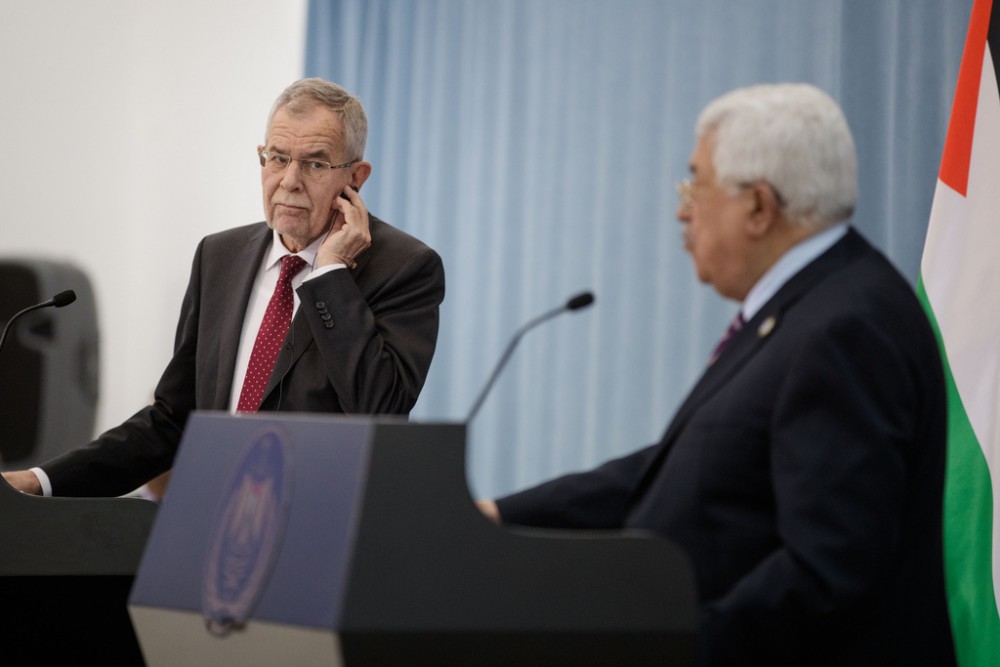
(49,363)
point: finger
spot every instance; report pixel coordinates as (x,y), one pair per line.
(339,220)
(345,204)
(351,193)
(351,197)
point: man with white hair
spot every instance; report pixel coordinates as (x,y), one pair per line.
(321,308)
(804,472)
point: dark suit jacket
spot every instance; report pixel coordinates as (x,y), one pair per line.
(803,475)
(371,356)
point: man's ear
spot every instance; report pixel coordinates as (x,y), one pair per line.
(360,173)
(765,208)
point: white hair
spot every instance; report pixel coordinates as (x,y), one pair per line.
(794,137)
(304,94)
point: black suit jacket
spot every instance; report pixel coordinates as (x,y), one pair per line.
(371,356)
(803,475)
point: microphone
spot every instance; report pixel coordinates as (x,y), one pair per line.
(58,301)
(579,301)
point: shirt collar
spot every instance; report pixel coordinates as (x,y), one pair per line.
(278,250)
(795,259)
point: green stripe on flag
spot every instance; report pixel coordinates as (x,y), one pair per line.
(968,531)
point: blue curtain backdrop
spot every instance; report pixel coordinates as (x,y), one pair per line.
(536,145)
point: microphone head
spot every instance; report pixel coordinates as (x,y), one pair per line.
(581,300)
(64,298)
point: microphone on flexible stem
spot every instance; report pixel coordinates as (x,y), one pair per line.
(579,301)
(58,301)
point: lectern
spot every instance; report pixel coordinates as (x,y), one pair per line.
(66,568)
(305,540)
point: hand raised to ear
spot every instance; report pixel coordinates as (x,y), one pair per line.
(350,234)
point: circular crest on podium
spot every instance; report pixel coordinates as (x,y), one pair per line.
(247,531)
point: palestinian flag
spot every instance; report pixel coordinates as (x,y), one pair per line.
(960,289)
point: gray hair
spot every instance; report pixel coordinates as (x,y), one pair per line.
(304,94)
(793,136)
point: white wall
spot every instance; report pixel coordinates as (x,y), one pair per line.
(128,131)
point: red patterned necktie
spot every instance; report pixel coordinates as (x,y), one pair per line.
(272,332)
(734,326)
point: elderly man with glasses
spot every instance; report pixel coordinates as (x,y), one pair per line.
(323,308)
(804,472)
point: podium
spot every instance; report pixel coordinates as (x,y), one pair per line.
(351,541)
(66,568)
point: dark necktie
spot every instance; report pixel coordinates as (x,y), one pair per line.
(272,332)
(734,326)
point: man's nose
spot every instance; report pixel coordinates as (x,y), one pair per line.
(291,178)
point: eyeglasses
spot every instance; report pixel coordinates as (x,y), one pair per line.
(686,188)
(310,168)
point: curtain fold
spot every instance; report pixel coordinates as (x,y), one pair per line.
(536,145)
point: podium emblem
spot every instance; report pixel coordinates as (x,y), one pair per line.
(247,531)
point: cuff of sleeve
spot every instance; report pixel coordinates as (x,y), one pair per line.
(323,270)
(43,479)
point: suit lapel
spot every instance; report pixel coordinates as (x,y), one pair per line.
(296,341)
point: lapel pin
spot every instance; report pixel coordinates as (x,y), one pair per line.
(767,326)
